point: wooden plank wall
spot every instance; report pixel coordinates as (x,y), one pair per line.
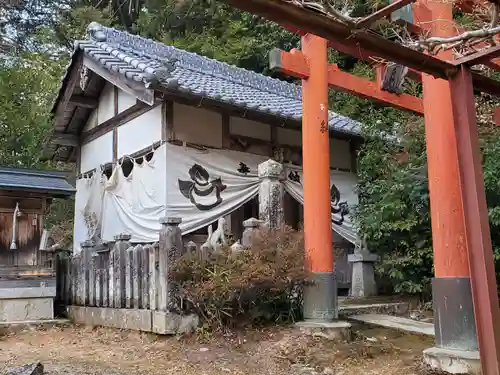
(29,229)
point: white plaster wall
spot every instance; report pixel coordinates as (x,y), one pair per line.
(125,100)
(197,125)
(106,108)
(92,121)
(140,132)
(97,152)
(248,128)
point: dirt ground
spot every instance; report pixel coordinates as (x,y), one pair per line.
(277,351)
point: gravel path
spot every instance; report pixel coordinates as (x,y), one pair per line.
(85,351)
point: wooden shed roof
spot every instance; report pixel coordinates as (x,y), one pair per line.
(50,183)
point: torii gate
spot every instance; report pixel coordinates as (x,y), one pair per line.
(464,287)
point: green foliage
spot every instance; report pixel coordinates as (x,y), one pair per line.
(394,207)
(394,199)
(217,31)
(27,88)
(257,286)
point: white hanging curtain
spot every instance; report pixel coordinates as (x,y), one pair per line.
(88,208)
(343,195)
(198,186)
(134,204)
(203,186)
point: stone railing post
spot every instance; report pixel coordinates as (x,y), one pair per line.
(168,318)
(271,194)
(363,274)
(117,287)
(251,227)
(170,250)
(83,282)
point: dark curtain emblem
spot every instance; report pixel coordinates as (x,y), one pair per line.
(294,176)
(338,207)
(243,168)
(201,186)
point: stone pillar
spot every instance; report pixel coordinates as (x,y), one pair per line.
(251,227)
(86,253)
(168,319)
(118,253)
(271,194)
(170,250)
(363,274)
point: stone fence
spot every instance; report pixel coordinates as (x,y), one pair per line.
(126,286)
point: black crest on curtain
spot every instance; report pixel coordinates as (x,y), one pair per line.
(201,186)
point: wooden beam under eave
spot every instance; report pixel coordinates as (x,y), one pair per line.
(64,139)
(83,101)
(72,78)
(295,64)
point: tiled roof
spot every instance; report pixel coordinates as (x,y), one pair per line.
(34,180)
(150,62)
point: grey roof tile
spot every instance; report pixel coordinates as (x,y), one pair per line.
(148,61)
(35,180)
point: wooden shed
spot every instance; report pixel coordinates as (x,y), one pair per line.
(27,286)
(25,197)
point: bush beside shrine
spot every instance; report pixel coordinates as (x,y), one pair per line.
(259,285)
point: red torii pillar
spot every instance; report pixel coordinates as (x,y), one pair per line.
(464,287)
(451,287)
(320,299)
(461,239)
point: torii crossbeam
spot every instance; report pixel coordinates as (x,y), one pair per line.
(464,287)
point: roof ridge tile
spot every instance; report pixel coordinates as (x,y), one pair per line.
(148,61)
(190,60)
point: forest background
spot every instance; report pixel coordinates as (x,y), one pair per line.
(36,43)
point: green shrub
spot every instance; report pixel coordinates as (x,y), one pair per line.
(257,286)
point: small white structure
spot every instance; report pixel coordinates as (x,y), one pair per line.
(157,131)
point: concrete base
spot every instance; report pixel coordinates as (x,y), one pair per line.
(31,303)
(454,314)
(137,320)
(165,323)
(335,331)
(13,327)
(453,361)
(134,319)
(320,297)
(12,310)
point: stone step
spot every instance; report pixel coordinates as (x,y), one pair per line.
(390,308)
(396,322)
